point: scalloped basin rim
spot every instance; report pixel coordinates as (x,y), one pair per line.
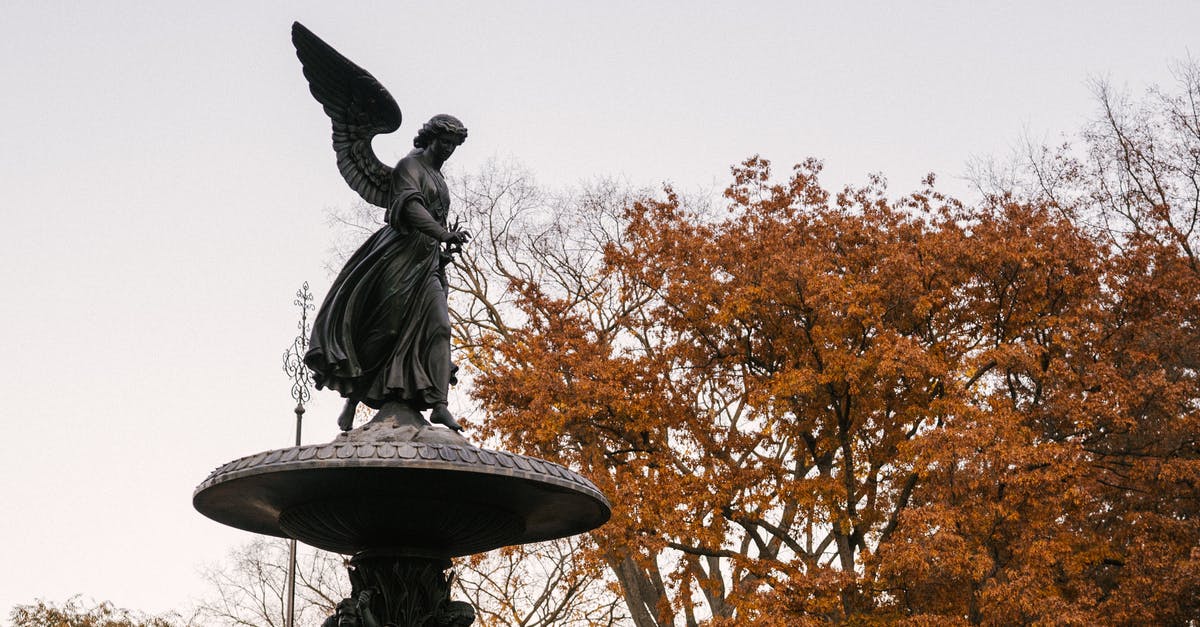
(421,498)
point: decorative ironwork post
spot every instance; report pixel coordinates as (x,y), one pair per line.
(293,366)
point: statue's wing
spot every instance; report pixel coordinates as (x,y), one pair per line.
(359,107)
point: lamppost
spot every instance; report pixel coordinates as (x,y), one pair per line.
(293,366)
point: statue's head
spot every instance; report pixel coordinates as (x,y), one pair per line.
(440,125)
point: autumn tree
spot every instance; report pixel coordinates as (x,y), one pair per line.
(722,380)
(857,407)
(77,613)
(840,407)
(1122,416)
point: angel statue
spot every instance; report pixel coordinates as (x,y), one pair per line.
(383,333)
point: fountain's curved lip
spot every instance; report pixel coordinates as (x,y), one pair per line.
(420,498)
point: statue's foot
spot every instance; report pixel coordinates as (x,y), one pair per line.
(441,415)
(346,418)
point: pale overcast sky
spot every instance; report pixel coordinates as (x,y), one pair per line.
(164,175)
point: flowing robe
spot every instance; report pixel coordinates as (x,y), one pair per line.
(383,333)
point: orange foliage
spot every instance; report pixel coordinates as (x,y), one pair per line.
(840,407)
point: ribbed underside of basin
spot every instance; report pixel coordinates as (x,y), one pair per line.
(416,498)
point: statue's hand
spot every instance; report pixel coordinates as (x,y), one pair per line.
(457,238)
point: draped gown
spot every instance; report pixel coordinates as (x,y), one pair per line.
(383,333)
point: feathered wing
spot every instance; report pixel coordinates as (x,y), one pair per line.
(359,107)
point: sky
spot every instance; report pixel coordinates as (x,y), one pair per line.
(165,178)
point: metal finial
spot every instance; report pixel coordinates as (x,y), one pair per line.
(293,358)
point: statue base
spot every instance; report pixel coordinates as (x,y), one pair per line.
(398,422)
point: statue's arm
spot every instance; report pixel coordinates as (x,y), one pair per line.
(408,211)
(411,214)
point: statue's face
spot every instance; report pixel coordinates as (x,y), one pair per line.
(443,146)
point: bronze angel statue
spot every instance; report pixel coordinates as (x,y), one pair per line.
(382,334)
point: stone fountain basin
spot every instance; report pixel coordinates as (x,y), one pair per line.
(423,499)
